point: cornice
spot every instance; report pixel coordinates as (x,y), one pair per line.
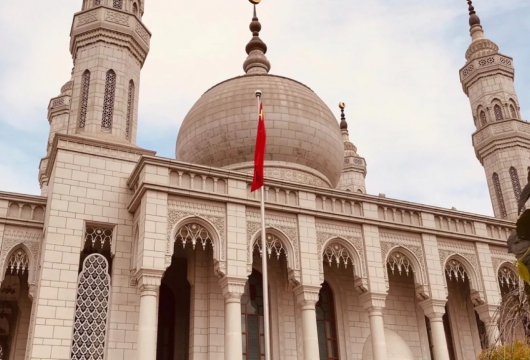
(96,143)
(500,135)
(32,224)
(24,198)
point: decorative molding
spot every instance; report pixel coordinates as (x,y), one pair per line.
(456,246)
(471,258)
(523,127)
(87,18)
(501,128)
(142,33)
(215,215)
(117,18)
(291,175)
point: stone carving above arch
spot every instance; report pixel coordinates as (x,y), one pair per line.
(507,275)
(29,241)
(469,266)
(210,217)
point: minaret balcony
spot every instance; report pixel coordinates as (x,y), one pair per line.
(483,66)
(91,24)
(499,135)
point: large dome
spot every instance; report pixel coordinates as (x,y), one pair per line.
(304,141)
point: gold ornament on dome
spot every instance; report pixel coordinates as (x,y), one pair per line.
(255,2)
(342,105)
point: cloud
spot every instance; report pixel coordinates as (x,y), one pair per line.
(394,63)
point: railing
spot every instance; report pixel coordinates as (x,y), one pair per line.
(276,195)
(498,232)
(454,225)
(189,180)
(399,215)
(339,206)
(25,211)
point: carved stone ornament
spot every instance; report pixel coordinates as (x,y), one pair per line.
(214,215)
(87,18)
(31,240)
(117,18)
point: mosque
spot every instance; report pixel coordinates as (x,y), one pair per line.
(131,256)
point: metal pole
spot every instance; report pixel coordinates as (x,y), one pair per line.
(264,265)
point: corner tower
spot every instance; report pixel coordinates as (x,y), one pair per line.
(109,44)
(502,139)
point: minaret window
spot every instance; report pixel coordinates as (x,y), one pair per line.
(498,112)
(85,85)
(515,183)
(512,112)
(108,101)
(498,193)
(117,4)
(483,120)
(130,106)
(135,9)
(97,2)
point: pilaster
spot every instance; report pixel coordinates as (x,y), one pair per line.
(375,267)
(489,274)
(435,273)
(308,251)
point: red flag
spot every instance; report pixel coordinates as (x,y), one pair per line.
(259,152)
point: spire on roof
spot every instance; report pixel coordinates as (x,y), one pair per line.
(348,145)
(473,17)
(480,45)
(256,62)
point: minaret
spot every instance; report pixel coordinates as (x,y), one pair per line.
(502,140)
(354,168)
(109,45)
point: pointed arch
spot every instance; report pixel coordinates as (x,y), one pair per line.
(411,261)
(196,236)
(108,100)
(135,9)
(332,252)
(483,118)
(513,109)
(130,109)
(507,275)
(278,235)
(16,265)
(117,4)
(83,103)
(516,184)
(457,267)
(497,111)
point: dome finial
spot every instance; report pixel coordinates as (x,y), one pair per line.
(256,62)
(343,123)
(473,17)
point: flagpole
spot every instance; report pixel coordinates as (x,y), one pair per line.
(264,264)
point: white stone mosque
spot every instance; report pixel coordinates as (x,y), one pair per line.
(131,256)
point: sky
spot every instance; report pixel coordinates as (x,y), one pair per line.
(394,63)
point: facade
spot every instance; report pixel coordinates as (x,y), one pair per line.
(127,255)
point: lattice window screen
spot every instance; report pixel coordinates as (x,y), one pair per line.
(130,106)
(498,112)
(273,244)
(483,120)
(338,254)
(85,86)
(90,325)
(97,2)
(108,101)
(515,183)
(498,193)
(18,262)
(193,234)
(401,263)
(117,4)
(455,270)
(507,277)
(512,112)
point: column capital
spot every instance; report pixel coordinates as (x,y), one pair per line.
(149,280)
(433,308)
(306,295)
(372,302)
(232,287)
(486,312)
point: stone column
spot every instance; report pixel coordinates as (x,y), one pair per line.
(148,284)
(233,288)
(374,305)
(435,310)
(486,313)
(306,298)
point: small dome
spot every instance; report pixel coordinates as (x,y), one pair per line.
(304,142)
(396,347)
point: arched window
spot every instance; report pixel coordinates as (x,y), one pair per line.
(508,280)
(498,194)
(83,103)
(483,120)
(108,101)
(326,326)
(130,106)
(512,112)
(97,2)
(252,318)
(90,325)
(498,112)
(135,9)
(117,4)
(515,183)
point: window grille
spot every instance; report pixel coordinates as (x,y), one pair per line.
(326,325)
(515,183)
(130,105)
(273,244)
(498,193)
(483,120)
(108,101)
(498,112)
(90,325)
(117,4)
(135,9)
(512,112)
(193,234)
(18,262)
(338,254)
(97,2)
(85,86)
(401,263)
(507,277)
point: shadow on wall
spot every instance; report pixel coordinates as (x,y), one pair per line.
(396,347)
